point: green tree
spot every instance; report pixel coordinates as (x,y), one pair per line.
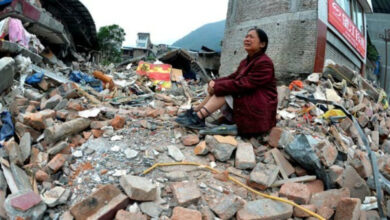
(110,40)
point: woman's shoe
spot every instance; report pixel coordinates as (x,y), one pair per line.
(220,130)
(192,121)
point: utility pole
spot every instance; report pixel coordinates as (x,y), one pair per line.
(386,38)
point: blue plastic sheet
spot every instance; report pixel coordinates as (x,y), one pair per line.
(7,130)
(82,78)
(3,2)
(35,78)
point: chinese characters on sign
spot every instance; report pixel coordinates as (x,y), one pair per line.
(343,23)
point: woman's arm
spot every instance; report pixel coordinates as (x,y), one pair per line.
(260,74)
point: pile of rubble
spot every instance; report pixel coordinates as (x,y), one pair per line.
(78,139)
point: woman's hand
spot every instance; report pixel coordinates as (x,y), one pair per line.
(210,88)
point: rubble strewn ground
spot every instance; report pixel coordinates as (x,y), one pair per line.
(76,142)
(78,153)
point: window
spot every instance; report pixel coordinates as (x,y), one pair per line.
(346,5)
(354,11)
(358,15)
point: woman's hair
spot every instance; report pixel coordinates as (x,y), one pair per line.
(262,36)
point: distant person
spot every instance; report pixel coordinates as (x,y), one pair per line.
(248,97)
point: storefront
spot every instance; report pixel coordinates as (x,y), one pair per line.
(342,33)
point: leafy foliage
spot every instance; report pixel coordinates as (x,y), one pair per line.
(110,40)
(372,53)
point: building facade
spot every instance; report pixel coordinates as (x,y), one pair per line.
(302,33)
(378,22)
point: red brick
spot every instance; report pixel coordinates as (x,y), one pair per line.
(124,215)
(75,105)
(102,204)
(36,120)
(348,209)
(297,192)
(118,122)
(97,133)
(325,212)
(201,148)
(44,85)
(327,153)
(100,124)
(335,173)
(330,198)
(186,192)
(190,140)
(300,171)
(180,213)
(87,135)
(26,201)
(302,214)
(362,164)
(274,136)
(56,163)
(315,186)
(41,176)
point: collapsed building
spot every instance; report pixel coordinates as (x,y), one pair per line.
(65,28)
(302,34)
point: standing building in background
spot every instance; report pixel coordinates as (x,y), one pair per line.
(302,33)
(378,22)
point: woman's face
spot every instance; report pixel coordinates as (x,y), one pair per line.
(252,43)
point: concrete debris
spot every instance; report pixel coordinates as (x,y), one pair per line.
(265,209)
(74,143)
(138,188)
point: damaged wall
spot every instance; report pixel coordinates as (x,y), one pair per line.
(291,26)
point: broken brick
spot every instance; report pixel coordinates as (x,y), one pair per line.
(56,163)
(180,213)
(325,212)
(302,214)
(185,192)
(25,201)
(97,133)
(329,198)
(102,204)
(118,122)
(245,156)
(348,209)
(124,215)
(190,140)
(201,149)
(36,120)
(297,192)
(315,186)
(41,176)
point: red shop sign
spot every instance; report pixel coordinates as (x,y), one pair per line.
(343,23)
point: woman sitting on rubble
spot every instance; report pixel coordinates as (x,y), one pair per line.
(249,93)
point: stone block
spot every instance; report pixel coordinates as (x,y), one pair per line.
(180,213)
(186,193)
(190,140)
(348,209)
(102,204)
(221,147)
(138,188)
(297,192)
(264,174)
(265,209)
(245,156)
(227,207)
(329,198)
(301,214)
(356,185)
